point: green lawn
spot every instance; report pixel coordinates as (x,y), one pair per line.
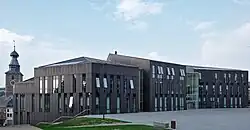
(121,127)
(92,121)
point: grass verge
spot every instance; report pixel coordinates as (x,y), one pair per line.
(121,127)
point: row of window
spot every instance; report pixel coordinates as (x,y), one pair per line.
(169,71)
(105,83)
(229,76)
(55,83)
(165,107)
(237,101)
(227,88)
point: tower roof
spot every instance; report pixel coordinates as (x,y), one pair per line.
(14,54)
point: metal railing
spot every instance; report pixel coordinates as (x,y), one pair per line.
(71,117)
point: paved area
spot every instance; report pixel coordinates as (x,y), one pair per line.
(202,119)
(20,127)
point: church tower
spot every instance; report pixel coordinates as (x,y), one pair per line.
(13,75)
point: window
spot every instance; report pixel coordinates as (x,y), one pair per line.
(183,72)
(235,77)
(87,101)
(161,103)
(236,104)
(47,103)
(59,102)
(206,87)
(229,76)
(40,103)
(162,72)
(108,104)
(176,103)
(239,101)
(62,83)
(55,84)
(97,102)
(132,84)
(172,103)
(22,102)
(41,85)
(159,69)
(220,89)
(74,82)
(165,103)
(118,105)
(71,101)
(84,83)
(215,76)
(46,85)
(65,102)
(225,102)
(105,82)
(173,73)
(155,103)
(118,82)
(32,102)
(227,87)
(231,103)
(81,102)
(97,80)
(153,71)
(168,71)
(111,82)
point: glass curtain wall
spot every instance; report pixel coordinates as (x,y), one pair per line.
(192,90)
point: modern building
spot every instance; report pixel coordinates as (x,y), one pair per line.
(70,87)
(217,87)
(163,83)
(124,84)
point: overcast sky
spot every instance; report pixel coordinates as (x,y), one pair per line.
(202,32)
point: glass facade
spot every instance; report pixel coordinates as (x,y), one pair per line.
(192,90)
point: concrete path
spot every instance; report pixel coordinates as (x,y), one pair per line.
(201,119)
(20,127)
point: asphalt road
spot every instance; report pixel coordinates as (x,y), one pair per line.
(201,119)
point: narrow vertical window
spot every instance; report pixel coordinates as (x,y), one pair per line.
(33,103)
(105,83)
(118,105)
(59,103)
(74,82)
(40,103)
(236,103)
(132,84)
(46,85)
(169,73)
(84,82)
(97,81)
(239,101)
(235,77)
(153,71)
(231,102)
(65,103)
(165,103)
(81,103)
(47,103)
(225,102)
(22,102)
(111,82)
(41,85)
(118,82)
(176,103)
(155,103)
(216,76)
(108,104)
(55,84)
(173,73)
(159,69)
(160,103)
(62,83)
(97,104)
(71,101)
